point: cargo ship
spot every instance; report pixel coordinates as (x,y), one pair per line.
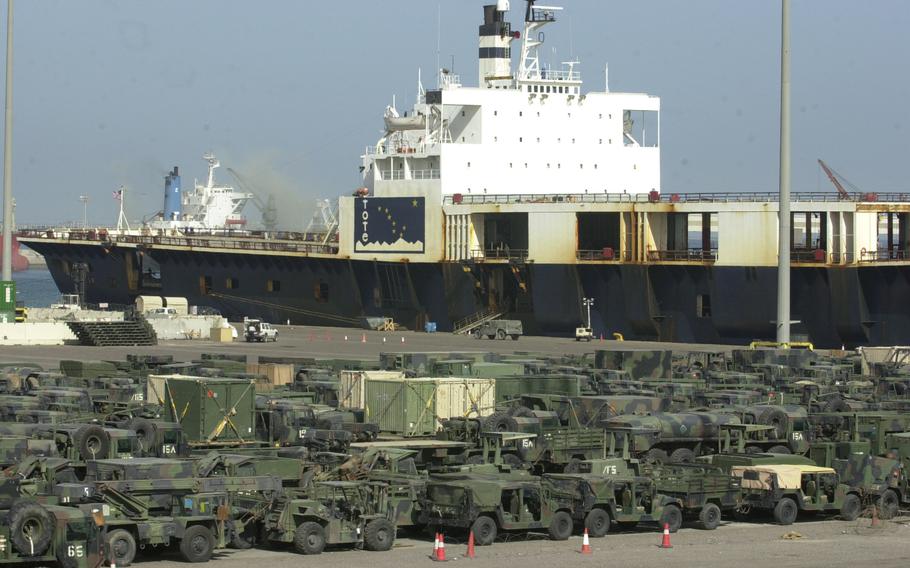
(523,197)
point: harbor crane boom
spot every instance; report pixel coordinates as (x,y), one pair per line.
(836,179)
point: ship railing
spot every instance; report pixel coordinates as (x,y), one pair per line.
(884,255)
(688,255)
(425,174)
(447,80)
(552,75)
(606,254)
(499,254)
(808,255)
(727,197)
(392,148)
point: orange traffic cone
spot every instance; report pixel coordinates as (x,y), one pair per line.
(435,547)
(666,541)
(585,543)
(470,544)
(441,553)
(363,338)
(874,515)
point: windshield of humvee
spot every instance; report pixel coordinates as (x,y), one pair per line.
(445,495)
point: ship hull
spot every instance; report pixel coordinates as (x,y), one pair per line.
(832,306)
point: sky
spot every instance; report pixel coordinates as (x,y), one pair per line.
(289,92)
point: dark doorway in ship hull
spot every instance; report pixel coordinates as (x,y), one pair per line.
(598,235)
(505,235)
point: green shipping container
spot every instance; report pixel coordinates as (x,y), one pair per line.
(7,301)
(513,387)
(212,410)
(400,407)
(496,370)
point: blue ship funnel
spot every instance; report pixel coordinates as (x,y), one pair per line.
(172,203)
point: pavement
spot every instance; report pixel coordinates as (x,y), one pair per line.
(333,343)
(828,543)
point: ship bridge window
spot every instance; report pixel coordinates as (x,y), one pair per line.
(598,235)
(640,128)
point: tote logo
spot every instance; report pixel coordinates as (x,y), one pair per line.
(389,224)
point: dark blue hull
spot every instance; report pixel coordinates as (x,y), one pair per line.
(850,306)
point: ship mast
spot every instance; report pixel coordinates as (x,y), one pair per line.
(536,17)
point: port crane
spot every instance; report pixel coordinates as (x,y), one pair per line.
(267,208)
(838,181)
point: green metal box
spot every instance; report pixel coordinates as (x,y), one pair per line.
(496,370)
(212,410)
(7,301)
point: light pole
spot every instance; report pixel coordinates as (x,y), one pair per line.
(7,265)
(84,200)
(783,254)
(588,302)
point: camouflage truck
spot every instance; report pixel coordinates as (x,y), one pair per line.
(787,489)
(681,437)
(324,513)
(41,534)
(154,502)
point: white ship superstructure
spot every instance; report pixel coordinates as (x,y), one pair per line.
(531,132)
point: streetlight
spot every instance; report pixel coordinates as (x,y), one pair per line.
(84,200)
(588,302)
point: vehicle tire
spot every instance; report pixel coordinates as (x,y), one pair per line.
(656,456)
(500,422)
(777,419)
(709,516)
(122,547)
(92,442)
(836,404)
(31,527)
(561,526)
(779,450)
(579,339)
(197,544)
(521,412)
(484,529)
(598,523)
(785,511)
(572,466)
(512,460)
(672,517)
(246,538)
(500,334)
(476,459)
(753,450)
(477,335)
(309,538)
(379,535)
(682,455)
(515,337)
(889,504)
(852,507)
(145,431)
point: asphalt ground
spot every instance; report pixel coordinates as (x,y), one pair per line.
(330,343)
(828,543)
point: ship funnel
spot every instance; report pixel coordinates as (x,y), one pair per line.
(495,67)
(172,201)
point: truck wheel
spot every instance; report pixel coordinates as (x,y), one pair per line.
(851,508)
(709,516)
(682,455)
(512,460)
(122,547)
(888,504)
(243,539)
(672,517)
(500,334)
(779,450)
(500,422)
(92,442)
(598,523)
(197,544)
(31,527)
(656,456)
(515,337)
(379,535)
(785,511)
(561,526)
(484,529)
(309,538)
(478,335)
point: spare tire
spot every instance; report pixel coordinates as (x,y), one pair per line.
(521,412)
(778,419)
(31,528)
(145,431)
(500,422)
(92,442)
(836,404)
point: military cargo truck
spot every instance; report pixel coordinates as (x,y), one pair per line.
(499,329)
(788,489)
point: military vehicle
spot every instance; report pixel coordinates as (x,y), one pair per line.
(499,329)
(324,513)
(584,334)
(41,535)
(788,489)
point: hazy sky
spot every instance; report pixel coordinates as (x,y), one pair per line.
(289,92)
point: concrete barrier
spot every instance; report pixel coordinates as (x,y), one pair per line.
(32,333)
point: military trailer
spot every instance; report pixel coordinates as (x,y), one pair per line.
(39,534)
(788,489)
(499,329)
